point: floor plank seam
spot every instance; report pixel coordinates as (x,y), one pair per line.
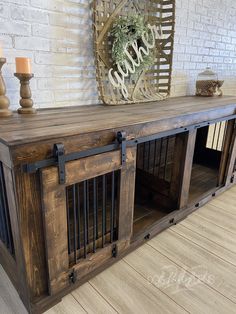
(221,208)
(210,221)
(78,302)
(199,234)
(157,287)
(202,247)
(103,297)
(216,209)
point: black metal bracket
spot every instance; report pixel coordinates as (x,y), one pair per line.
(72,277)
(121,138)
(147,236)
(59,154)
(232,179)
(114,251)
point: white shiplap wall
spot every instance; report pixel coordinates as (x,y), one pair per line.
(57,35)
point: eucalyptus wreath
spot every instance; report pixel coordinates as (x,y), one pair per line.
(124,32)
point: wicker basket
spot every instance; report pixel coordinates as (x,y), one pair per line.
(151,85)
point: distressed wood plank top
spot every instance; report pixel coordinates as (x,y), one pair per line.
(62,122)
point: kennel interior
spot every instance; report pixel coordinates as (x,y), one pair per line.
(154,182)
(209,147)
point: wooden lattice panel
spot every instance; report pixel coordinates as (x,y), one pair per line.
(152,84)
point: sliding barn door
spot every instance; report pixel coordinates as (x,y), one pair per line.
(88,220)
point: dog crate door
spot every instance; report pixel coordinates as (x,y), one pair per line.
(88,220)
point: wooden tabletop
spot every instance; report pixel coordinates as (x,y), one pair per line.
(61,122)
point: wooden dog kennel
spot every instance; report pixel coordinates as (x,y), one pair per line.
(82,187)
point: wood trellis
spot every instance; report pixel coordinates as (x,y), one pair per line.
(153,84)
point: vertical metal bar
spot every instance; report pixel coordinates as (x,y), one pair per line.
(112,206)
(154,157)
(144,153)
(103,209)
(68,220)
(166,156)
(160,155)
(105,213)
(149,154)
(94,213)
(75,223)
(116,177)
(87,200)
(85,219)
(97,207)
(78,215)
(138,156)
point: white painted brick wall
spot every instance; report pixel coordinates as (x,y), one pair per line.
(205,36)
(57,35)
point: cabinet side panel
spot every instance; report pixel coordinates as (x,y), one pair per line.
(31,231)
(19,275)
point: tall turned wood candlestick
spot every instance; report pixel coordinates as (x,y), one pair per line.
(25,92)
(4,101)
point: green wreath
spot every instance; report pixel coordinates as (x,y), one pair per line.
(125,31)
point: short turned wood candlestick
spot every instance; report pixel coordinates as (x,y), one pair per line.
(4,101)
(25,92)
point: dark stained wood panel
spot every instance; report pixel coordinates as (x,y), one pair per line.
(62,122)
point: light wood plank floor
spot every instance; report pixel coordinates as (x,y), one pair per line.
(189,268)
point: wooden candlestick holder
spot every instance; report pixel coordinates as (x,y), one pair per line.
(25,92)
(4,101)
